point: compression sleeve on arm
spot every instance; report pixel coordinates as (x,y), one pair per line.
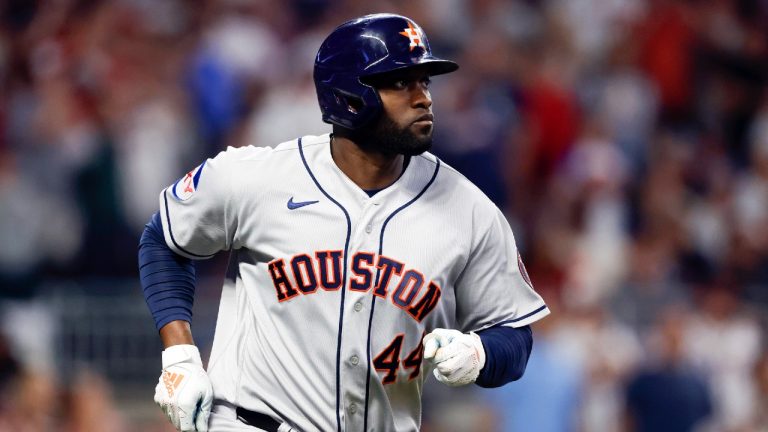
(167,279)
(506,354)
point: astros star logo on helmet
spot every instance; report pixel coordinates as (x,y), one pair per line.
(414,34)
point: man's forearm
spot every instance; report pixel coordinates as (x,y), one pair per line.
(176,333)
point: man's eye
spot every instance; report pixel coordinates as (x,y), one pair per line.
(401,84)
(426,81)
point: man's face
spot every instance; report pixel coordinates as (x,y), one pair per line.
(405,125)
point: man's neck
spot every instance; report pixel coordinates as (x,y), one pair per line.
(369,170)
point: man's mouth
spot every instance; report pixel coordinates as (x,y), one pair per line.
(425,119)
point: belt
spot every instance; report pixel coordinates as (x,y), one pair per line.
(259,420)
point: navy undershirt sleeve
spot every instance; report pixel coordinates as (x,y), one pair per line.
(168,279)
(506,354)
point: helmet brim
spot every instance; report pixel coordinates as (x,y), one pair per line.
(434,66)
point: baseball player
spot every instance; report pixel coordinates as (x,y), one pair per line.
(359,262)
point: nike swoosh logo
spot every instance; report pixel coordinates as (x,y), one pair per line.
(294,205)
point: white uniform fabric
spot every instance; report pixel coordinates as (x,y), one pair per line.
(289,341)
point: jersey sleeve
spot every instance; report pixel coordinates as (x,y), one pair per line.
(494,287)
(197,210)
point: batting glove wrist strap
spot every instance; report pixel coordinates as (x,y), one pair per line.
(181,354)
(184,391)
(478,344)
(457,357)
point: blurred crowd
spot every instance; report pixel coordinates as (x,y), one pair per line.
(626,140)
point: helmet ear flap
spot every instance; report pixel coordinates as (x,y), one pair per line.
(349,101)
(354,110)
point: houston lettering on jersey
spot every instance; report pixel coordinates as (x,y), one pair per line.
(406,288)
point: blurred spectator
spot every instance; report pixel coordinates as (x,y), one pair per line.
(457,411)
(760,421)
(666,55)
(723,340)
(624,103)
(606,352)
(88,406)
(473,122)
(238,53)
(289,106)
(9,371)
(144,167)
(733,62)
(648,288)
(551,117)
(653,278)
(596,24)
(32,236)
(667,395)
(594,175)
(547,397)
(31,404)
(750,213)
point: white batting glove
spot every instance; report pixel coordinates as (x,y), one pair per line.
(184,390)
(458,357)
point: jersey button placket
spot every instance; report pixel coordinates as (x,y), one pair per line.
(366,217)
(355,340)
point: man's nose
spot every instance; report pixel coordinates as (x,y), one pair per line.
(420,96)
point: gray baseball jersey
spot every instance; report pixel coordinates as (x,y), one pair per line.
(329,291)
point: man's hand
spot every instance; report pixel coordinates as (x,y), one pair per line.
(184,390)
(458,357)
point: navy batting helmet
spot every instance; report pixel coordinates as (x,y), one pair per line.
(362,48)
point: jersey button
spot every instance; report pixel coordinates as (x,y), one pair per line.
(368,228)
(353,408)
(354,360)
(358,307)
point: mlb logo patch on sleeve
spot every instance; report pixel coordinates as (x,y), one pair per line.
(186,186)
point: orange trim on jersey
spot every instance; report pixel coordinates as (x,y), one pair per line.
(386,275)
(285,290)
(355,275)
(321,265)
(427,303)
(306,280)
(416,357)
(395,346)
(414,289)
